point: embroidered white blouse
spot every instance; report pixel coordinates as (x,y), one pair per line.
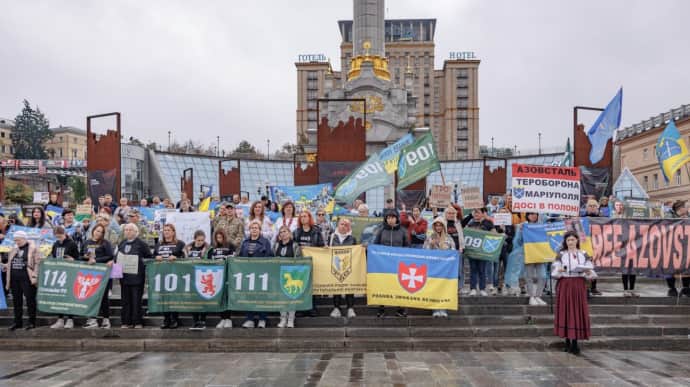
(574,265)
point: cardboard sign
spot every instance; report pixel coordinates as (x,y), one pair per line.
(503,219)
(41,197)
(83,212)
(440,196)
(472,197)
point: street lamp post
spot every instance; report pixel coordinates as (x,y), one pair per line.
(217,146)
(169,141)
(492,146)
(268,149)
(539,142)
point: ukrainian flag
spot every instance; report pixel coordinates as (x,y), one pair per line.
(542,241)
(671,151)
(415,278)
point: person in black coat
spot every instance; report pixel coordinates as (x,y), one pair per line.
(133,252)
(255,245)
(97,249)
(308,234)
(393,235)
(169,249)
(63,248)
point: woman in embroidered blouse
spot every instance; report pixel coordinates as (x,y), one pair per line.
(571,313)
(287,219)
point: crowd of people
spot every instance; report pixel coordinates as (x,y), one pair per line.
(268,229)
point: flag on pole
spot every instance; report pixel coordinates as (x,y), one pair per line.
(417,160)
(671,151)
(567,160)
(602,131)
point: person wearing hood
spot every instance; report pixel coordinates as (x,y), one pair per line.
(455,232)
(439,240)
(392,235)
(342,236)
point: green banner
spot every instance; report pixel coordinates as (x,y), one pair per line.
(371,174)
(417,160)
(484,245)
(186,286)
(269,284)
(71,288)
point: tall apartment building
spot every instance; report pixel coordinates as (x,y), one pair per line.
(6,148)
(447,99)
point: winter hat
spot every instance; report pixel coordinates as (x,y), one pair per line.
(20,235)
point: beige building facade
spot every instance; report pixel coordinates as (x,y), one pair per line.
(6,148)
(68,143)
(446,99)
(636,148)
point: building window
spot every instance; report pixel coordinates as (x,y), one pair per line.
(60,152)
(655,181)
(679,177)
(645,154)
(3,147)
(645,179)
(2,134)
(74,153)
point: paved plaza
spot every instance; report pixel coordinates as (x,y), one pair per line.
(594,368)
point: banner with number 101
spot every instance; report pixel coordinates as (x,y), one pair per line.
(186,286)
(269,284)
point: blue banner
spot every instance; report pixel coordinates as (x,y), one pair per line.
(416,278)
(311,197)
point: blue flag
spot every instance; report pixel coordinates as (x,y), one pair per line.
(3,300)
(671,151)
(602,131)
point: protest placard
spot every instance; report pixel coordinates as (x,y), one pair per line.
(483,245)
(338,270)
(546,189)
(83,212)
(471,197)
(440,196)
(187,223)
(503,219)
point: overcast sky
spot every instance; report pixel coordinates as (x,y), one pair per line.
(226,68)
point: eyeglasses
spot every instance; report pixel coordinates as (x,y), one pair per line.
(321,214)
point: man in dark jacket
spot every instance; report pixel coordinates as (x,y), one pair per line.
(394,235)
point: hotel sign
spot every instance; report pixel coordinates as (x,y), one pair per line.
(311,58)
(462,55)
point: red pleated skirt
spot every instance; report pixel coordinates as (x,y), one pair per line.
(571,312)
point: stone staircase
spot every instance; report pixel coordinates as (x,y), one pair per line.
(481,324)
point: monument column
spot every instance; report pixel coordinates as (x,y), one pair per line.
(368,26)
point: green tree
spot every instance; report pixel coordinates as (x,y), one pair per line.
(31,131)
(78,188)
(246,148)
(18,193)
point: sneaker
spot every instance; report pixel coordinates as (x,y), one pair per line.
(533,301)
(493,291)
(202,325)
(139,326)
(106,323)
(436,314)
(540,301)
(634,294)
(248,324)
(221,324)
(262,324)
(483,293)
(123,326)
(626,294)
(473,292)
(69,324)
(380,313)
(91,323)
(351,313)
(401,313)
(282,323)
(196,326)
(29,326)
(596,292)
(291,320)
(443,314)
(59,324)
(336,313)
(15,326)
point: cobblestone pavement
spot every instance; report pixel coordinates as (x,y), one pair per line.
(594,368)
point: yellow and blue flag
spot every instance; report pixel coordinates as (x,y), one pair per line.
(542,241)
(415,278)
(671,151)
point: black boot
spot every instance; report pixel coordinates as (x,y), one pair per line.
(166,323)
(574,349)
(567,345)
(672,292)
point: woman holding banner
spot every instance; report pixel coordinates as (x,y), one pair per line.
(454,229)
(287,219)
(416,226)
(197,249)
(221,250)
(255,245)
(439,240)
(131,254)
(169,249)
(342,236)
(571,312)
(99,250)
(308,234)
(257,212)
(286,247)
(39,219)
(535,273)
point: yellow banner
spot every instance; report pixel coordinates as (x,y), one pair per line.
(338,270)
(437,293)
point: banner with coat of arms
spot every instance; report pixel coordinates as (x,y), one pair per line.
(483,245)
(415,278)
(338,270)
(71,288)
(186,286)
(542,241)
(269,284)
